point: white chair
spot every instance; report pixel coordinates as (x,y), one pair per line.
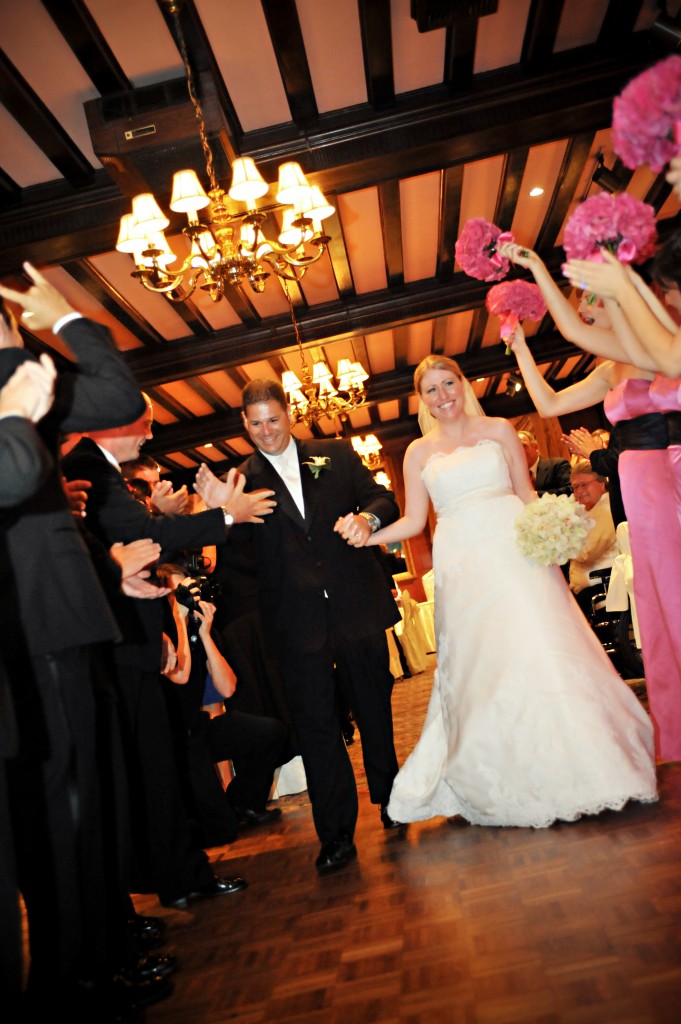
(412,634)
(620,594)
(428,581)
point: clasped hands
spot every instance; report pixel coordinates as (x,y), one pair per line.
(354,529)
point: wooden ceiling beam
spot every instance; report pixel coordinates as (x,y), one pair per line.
(393,386)
(283,25)
(377,50)
(95,56)
(41,125)
(524,112)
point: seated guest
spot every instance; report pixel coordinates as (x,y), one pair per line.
(602,449)
(600,549)
(549,476)
(255,745)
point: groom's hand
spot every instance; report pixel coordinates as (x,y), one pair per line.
(354,529)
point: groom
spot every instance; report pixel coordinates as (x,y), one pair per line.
(325,603)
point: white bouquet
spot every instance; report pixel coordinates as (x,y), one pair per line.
(552,529)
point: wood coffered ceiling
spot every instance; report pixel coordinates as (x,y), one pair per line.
(409,133)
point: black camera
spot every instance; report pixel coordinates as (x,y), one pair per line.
(200,589)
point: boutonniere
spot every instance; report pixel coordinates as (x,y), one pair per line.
(317,463)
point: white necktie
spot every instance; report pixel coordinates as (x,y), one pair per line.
(288,468)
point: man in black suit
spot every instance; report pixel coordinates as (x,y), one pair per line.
(168,862)
(325,605)
(24,464)
(550,476)
(53,614)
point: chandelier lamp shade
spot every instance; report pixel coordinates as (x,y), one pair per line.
(311,392)
(316,395)
(225,229)
(368,448)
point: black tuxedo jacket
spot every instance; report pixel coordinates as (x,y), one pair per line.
(553,477)
(24,460)
(113,514)
(300,560)
(50,597)
(24,465)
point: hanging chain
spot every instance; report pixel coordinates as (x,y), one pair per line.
(284,285)
(198,112)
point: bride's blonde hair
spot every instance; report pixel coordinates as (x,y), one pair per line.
(434,362)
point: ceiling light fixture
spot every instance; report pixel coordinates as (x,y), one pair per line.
(369,448)
(228,244)
(514,384)
(607,178)
(537,191)
(315,396)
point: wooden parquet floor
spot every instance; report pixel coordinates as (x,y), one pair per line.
(446,923)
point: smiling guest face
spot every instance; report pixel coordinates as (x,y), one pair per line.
(442,393)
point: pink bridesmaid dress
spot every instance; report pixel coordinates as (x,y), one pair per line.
(652,499)
(665,396)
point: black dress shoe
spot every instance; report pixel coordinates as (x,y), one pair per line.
(389,822)
(218,887)
(335,855)
(131,996)
(147,931)
(148,966)
(247,816)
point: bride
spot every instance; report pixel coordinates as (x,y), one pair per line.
(528,722)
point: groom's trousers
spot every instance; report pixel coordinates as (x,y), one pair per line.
(311,679)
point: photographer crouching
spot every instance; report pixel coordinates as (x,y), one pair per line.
(255,745)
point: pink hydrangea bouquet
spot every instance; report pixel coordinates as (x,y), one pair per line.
(646,116)
(514,301)
(476,250)
(620,223)
(552,529)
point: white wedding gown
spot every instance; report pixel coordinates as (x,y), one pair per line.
(528,721)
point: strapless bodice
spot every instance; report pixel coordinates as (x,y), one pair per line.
(466,476)
(665,394)
(629,399)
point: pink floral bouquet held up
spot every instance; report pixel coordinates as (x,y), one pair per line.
(646,116)
(620,223)
(514,301)
(476,250)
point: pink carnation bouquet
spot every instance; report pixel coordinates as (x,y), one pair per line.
(514,301)
(477,247)
(646,116)
(620,223)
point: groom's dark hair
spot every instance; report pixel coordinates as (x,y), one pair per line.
(263,390)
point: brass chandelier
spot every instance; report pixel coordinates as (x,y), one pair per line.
(313,395)
(226,246)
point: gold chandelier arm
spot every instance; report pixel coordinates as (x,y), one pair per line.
(158,281)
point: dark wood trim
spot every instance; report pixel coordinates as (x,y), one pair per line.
(81,32)
(287,39)
(41,125)
(377,49)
